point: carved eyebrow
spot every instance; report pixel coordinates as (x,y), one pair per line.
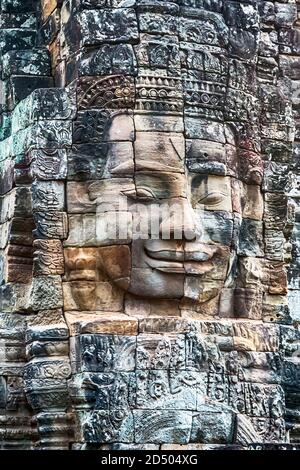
(161,176)
(148,167)
(125,167)
(139,193)
(213,193)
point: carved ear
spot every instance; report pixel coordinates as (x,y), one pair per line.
(231,271)
(94,190)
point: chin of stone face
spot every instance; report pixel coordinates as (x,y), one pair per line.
(149,225)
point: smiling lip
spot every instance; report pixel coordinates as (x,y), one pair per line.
(165,266)
(179,255)
(178,261)
(170,269)
(165,255)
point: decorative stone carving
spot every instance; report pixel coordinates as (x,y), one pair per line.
(149,224)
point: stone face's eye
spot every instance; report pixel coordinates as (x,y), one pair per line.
(141,194)
(212,199)
(213,192)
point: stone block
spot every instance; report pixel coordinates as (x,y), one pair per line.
(156,123)
(103,353)
(217,227)
(252,202)
(17,6)
(47,349)
(104,391)
(99,229)
(14,297)
(91,296)
(24,20)
(48,258)
(108,93)
(170,426)
(46,293)
(19,87)
(152,283)
(19,264)
(162,151)
(248,303)
(181,390)
(42,369)
(97,125)
(109,59)
(98,196)
(251,238)
(164,325)
(157,22)
(49,164)
(50,225)
(95,323)
(160,351)
(108,26)
(2,392)
(212,425)
(87,161)
(17,39)
(28,62)
(48,196)
(102,426)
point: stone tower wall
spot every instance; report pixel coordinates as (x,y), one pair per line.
(103,344)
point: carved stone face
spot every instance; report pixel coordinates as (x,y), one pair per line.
(190,211)
(181,152)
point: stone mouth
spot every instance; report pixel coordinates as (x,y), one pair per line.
(180,261)
(165,254)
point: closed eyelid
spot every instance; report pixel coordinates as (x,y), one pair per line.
(218,195)
(139,193)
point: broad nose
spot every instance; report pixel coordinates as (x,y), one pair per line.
(178,222)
